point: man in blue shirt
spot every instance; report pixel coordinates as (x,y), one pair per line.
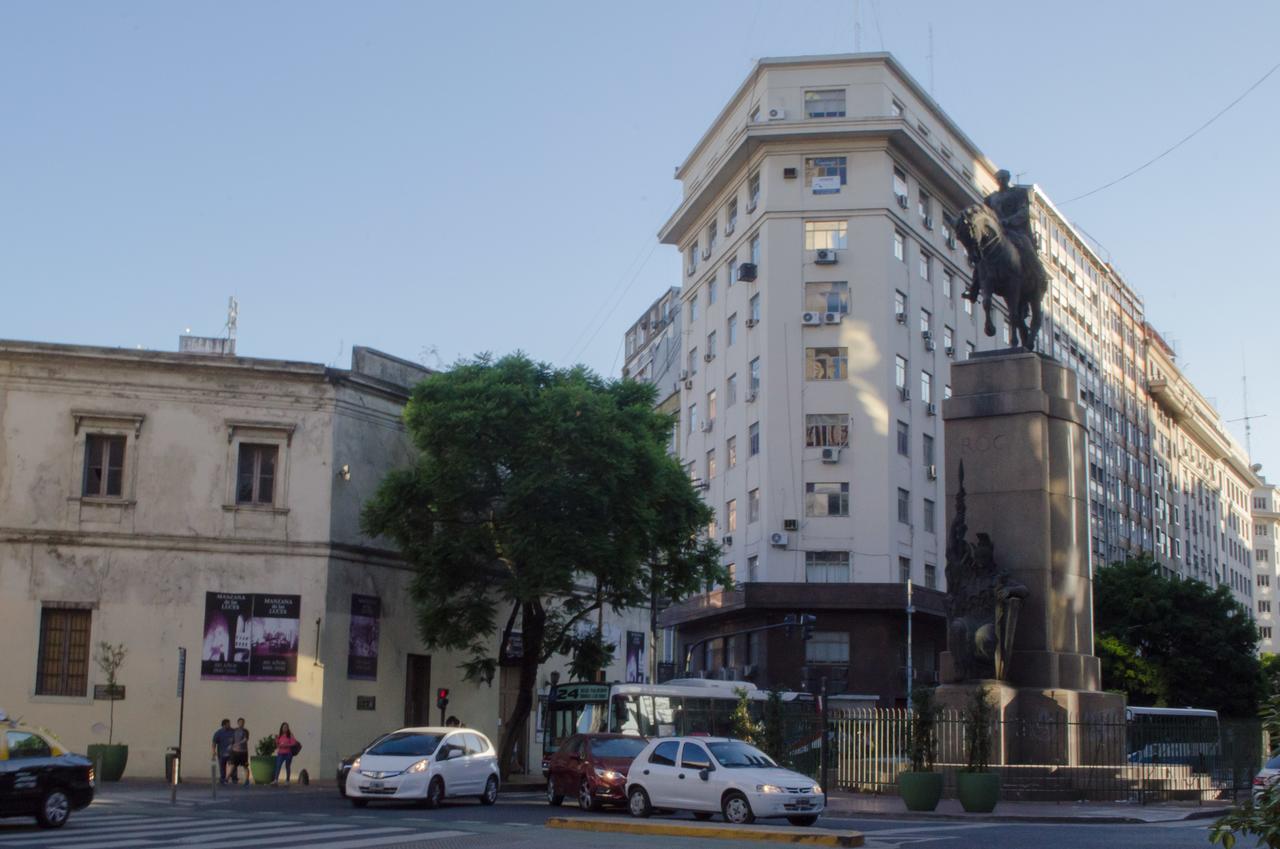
(222,740)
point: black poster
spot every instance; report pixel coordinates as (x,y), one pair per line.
(362,642)
(250,636)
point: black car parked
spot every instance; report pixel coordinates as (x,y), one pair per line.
(39,778)
(344,765)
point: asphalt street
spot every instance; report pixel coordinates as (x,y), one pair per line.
(316,818)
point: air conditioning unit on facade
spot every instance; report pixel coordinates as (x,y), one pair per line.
(751,396)
(751,322)
(747,272)
(831,455)
(931,409)
(728,539)
(932,471)
(832,317)
(810,318)
(951,351)
(706,252)
(688,384)
(903,202)
(826,256)
(791,524)
(708,357)
(699,483)
(777,113)
(904,393)
(778,539)
(902,318)
(789,173)
(928,222)
(684,374)
(928,345)
(707,425)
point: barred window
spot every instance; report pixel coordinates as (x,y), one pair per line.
(823,430)
(63,668)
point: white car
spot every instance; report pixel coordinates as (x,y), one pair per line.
(1266,778)
(709,774)
(425,765)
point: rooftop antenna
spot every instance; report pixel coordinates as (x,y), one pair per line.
(931,92)
(233,312)
(1246,418)
(857,27)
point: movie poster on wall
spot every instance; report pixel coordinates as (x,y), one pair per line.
(250,637)
(362,642)
(637,668)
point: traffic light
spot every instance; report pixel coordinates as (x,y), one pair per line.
(789,621)
(807,621)
(442,698)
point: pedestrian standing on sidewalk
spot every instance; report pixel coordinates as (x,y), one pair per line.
(222,739)
(239,751)
(286,747)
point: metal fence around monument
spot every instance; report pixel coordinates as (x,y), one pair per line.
(1060,758)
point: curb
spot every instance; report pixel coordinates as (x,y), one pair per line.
(662,828)
(1062,819)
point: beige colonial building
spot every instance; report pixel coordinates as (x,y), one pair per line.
(209,501)
(1266,526)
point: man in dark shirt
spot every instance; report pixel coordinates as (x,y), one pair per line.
(239,751)
(222,740)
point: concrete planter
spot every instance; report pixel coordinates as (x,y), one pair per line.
(978,791)
(263,768)
(108,759)
(920,790)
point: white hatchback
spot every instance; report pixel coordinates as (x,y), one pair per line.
(709,774)
(425,765)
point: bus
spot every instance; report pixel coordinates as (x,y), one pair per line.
(1187,736)
(699,706)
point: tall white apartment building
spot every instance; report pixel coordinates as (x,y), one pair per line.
(821,311)
(1266,525)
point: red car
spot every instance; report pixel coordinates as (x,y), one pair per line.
(592,767)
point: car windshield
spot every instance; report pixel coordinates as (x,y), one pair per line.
(406,744)
(1274,763)
(737,754)
(617,747)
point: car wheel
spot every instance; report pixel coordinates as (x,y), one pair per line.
(585,800)
(490,794)
(737,809)
(807,819)
(435,793)
(702,815)
(553,798)
(55,807)
(638,802)
(359,803)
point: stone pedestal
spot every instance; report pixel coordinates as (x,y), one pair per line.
(1014,421)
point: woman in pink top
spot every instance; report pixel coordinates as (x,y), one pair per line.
(286,747)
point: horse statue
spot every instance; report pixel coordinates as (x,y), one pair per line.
(1004,264)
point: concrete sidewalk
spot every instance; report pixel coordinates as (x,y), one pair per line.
(842,804)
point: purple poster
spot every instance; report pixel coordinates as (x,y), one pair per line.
(362,643)
(250,637)
(637,667)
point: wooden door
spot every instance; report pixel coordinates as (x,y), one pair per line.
(417,690)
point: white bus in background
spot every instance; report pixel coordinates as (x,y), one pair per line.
(1158,735)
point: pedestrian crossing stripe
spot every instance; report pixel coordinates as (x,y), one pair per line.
(111,831)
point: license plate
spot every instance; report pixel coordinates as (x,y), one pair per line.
(376,785)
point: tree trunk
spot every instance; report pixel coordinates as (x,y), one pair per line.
(533,629)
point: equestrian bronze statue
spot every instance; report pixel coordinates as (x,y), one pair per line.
(997,237)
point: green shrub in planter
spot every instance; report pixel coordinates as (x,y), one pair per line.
(110,757)
(977,787)
(921,787)
(263,764)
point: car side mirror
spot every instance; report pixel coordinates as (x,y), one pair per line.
(704,774)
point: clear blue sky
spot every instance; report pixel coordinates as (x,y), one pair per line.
(466,177)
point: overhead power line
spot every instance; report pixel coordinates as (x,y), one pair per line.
(1181,142)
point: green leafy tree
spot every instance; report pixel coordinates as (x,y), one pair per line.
(1175,642)
(742,726)
(775,737)
(979,716)
(109,659)
(922,737)
(1257,816)
(538,495)
(1271,674)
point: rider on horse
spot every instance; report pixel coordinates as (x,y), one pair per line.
(1012,205)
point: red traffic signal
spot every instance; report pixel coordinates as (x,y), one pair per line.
(442,697)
